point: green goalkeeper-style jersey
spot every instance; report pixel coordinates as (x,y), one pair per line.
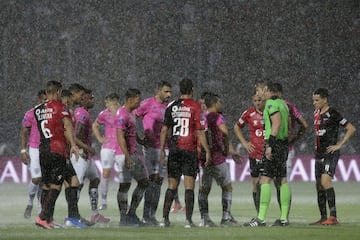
(273,105)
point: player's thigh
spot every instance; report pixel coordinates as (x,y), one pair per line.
(91,171)
(80,165)
(139,171)
(107,157)
(124,173)
(189,164)
(34,166)
(221,174)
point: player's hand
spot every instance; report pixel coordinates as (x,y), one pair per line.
(249,147)
(25,158)
(207,159)
(236,157)
(103,140)
(268,153)
(333,148)
(163,159)
(128,162)
(92,151)
(75,150)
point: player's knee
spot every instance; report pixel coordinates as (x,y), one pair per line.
(124,187)
(94,183)
(36,181)
(157,179)
(106,173)
(204,190)
(227,188)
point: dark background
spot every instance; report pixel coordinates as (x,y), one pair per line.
(224,46)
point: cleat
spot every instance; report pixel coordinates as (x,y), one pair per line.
(27,213)
(86,222)
(230,222)
(150,221)
(123,221)
(75,223)
(319,222)
(330,221)
(164,223)
(255,222)
(280,223)
(42,223)
(133,220)
(176,208)
(189,224)
(207,222)
(99,218)
(55,225)
(103,206)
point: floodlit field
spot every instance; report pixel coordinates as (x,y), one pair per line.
(13,198)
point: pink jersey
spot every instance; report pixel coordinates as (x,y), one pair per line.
(256,130)
(29,121)
(107,119)
(214,120)
(126,121)
(294,114)
(82,116)
(152,113)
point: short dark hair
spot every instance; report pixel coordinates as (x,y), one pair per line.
(41,93)
(112,96)
(53,86)
(132,93)
(203,94)
(87,91)
(323,92)
(186,86)
(66,93)
(76,87)
(210,99)
(274,87)
(162,84)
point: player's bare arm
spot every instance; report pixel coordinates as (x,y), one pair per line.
(247,144)
(163,135)
(202,139)
(24,136)
(70,137)
(97,134)
(350,131)
(122,143)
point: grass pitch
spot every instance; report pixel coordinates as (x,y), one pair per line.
(13,200)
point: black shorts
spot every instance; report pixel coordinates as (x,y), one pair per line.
(52,168)
(69,171)
(326,165)
(276,166)
(256,167)
(182,162)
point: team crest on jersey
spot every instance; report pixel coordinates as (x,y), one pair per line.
(121,120)
(270,106)
(83,117)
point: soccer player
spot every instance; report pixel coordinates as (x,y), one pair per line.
(326,122)
(55,129)
(129,165)
(30,138)
(220,147)
(85,166)
(276,118)
(183,121)
(253,116)
(152,111)
(108,140)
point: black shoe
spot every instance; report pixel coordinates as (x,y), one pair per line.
(86,222)
(164,223)
(150,221)
(230,222)
(255,222)
(280,223)
(189,224)
(133,220)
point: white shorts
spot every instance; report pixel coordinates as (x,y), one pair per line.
(137,172)
(152,161)
(34,166)
(107,157)
(84,168)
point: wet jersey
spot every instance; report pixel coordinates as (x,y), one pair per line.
(214,120)
(29,121)
(107,119)
(126,121)
(272,106)
(82,116)
(183,117)
(327,129)
(152,113)
(49,117)
(294,115)
(255,121)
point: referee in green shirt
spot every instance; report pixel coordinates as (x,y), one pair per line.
(276,119)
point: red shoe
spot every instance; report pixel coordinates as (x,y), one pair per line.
(176,208)
(99,218)
(54,224)
(319,222)
(330,221)
(42,223)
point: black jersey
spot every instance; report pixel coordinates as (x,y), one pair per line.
(327,129)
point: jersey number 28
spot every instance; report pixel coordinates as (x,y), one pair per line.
(181,127)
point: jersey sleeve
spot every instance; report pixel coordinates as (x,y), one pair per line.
(339,118)
(272,107)
(220,120)
(120,122)
(101,117)
(26,122)
(243,119)
(82,117)
(142,109)
(293,110)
